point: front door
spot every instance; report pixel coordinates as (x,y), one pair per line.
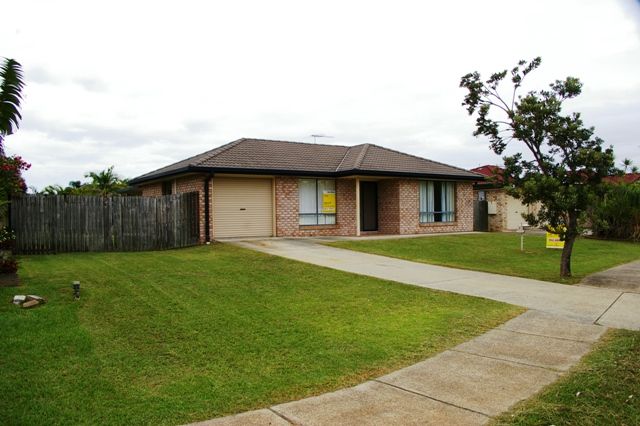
(368,206)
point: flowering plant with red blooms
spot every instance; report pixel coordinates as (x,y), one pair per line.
(11,168)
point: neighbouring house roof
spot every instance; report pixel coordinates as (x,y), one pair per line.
(297,158)
(488,170)
(492,173)
(626,178)
(495,177)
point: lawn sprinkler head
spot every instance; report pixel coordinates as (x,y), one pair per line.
(76,290)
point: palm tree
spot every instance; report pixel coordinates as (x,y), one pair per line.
(629,166)
(11,85)
(106,182)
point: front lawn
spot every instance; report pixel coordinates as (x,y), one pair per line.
(185,335)
(604,389)
(500,253)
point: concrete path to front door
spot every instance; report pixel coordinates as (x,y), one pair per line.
(592,305)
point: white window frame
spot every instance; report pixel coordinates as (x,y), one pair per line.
(427,202)
(309,215)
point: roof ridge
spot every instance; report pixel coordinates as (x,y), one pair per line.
(298,142)
(363,153)
(425,159)
(344,156)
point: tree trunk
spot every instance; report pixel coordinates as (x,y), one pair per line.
(565,259)
(569,238)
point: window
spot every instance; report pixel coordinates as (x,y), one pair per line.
(167,187)
(317,201)
(481,196)
(437,201)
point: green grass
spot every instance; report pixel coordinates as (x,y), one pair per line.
(604,389)
(500,253)
(178,336)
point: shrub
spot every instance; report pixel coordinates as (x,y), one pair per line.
(616,215)
(8,266)
(7,239)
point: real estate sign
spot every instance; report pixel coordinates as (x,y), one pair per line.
(554,242)
(328,201)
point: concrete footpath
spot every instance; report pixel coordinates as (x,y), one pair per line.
(472,382)
(466,385)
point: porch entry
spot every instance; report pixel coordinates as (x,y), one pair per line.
(368,206)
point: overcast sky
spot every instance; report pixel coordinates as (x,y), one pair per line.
(139,84)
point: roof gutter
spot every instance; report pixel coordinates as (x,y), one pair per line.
(408,174)
(142,179)
(344,173)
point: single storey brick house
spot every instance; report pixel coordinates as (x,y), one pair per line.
(257,187)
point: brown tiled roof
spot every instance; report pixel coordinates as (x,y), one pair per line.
(281,157)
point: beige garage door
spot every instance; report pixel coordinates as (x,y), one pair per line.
(242,207)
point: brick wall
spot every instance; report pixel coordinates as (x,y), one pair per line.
(192,183)
(398,207)
(389,206)
(287,208)
(409,210)
(152,190)
(195,183)
(498,221)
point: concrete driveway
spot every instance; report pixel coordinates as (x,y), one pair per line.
(603,306)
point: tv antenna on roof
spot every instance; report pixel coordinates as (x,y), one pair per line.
(319,136)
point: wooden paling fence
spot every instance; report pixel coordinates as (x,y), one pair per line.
(69,223)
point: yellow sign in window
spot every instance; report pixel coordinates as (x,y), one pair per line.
(554,241)
(328,201)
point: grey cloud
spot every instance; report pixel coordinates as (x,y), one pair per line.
(38,74)
(632,8)
(199,126)
(92,84)
(79,147)
(105,134)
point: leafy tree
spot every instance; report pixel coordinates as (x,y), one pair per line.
(105,182)
(566,163)
(74,188)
